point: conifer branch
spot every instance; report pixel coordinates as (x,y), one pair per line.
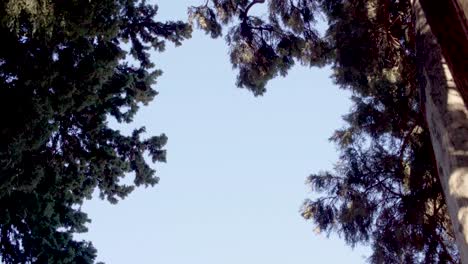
(246,11)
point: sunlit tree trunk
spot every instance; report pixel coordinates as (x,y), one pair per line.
(449,24)
(447,118)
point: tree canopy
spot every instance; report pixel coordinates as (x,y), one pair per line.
(263,49)
(64,70)
(63,73)
(385,190)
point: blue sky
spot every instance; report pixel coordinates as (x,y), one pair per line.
(234,181)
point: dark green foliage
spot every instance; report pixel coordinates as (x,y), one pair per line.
(263,48)
(61,76)
(385,189)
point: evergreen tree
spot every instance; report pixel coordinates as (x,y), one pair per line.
(385,190)
(263,49)
(63,73)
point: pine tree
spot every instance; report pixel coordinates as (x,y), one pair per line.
(263,49)
(63,73)
(385,189)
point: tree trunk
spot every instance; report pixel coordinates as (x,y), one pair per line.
(448,22)
(447,117)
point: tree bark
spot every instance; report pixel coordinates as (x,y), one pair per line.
(447,117)
(448,22)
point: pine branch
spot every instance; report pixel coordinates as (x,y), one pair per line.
(246,10)
(404,144)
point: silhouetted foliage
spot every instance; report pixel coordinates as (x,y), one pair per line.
(62,74)
(262,49)
(385,189)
